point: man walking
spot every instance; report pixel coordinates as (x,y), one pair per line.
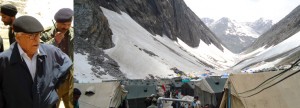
(29,71)
(8,16)
(62,35)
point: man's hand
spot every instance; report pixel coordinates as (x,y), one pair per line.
(59,36)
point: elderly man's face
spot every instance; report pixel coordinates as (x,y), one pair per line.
(63,27)
(7,20)
(29,42)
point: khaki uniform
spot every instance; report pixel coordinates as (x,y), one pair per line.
(65,90)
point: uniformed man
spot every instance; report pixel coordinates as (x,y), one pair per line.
(62,35)
(30,71)
(8,16)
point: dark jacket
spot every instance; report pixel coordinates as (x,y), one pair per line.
(11,36)
(18,90)
(1,45)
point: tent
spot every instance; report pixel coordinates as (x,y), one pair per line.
(186,88)
(140,89)
(106,94)
(138,93)
(210,90)
(279,92)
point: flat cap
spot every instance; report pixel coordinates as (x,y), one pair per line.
(9,10)
(27,24)
(63,15)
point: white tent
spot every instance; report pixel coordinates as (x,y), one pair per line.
(106,94)
(280,92)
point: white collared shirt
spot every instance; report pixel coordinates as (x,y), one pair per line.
(31,63)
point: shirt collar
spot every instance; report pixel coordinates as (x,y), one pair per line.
(22,53)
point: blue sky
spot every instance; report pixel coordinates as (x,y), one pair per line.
(243,10)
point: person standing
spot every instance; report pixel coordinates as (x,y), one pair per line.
(153,103)
(61,35)
(76,96)
(30,71)
(8,16)
(148,100)
(175,104)
(196,103)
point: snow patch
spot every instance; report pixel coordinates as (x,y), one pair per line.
(83,72)
(132,40)
(262,54)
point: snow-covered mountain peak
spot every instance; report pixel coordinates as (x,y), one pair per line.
(261,25)
(232,27)
(262,20)
(223,20)
(208,21)
(236,35)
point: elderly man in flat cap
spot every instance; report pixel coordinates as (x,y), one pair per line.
(30,72)
(8,14)
(62,35)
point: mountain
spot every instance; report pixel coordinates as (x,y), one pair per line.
(93,35)
(237,36)
(282,30)
(146,38)
(120,39)
(171,18)
(276,47)
(261,25)
(207,21)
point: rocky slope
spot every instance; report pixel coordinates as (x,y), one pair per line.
(278,46)
(282,30)
(91,24)
(92,36)
(171,18)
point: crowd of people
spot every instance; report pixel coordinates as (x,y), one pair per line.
(152,101)
(36,71)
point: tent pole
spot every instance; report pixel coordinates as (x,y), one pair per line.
(229,94)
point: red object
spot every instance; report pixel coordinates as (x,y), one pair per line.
(163,87)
